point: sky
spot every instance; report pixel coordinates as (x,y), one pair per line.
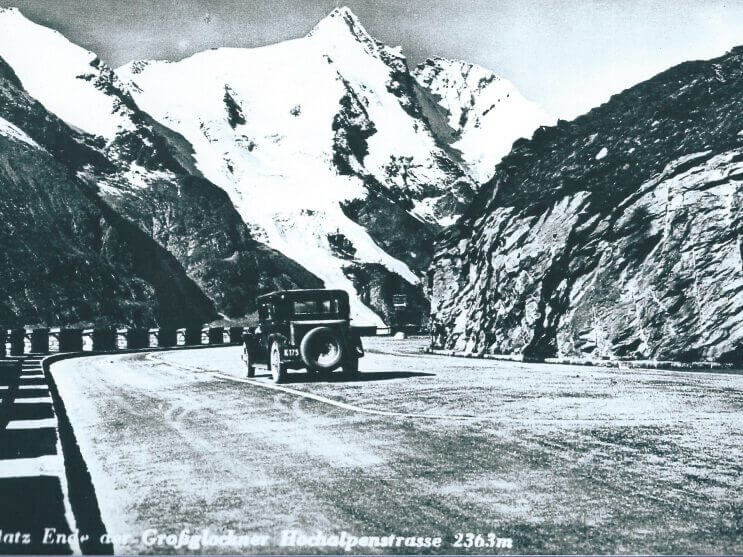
(567,55)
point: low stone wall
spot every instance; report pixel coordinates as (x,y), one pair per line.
(20,342)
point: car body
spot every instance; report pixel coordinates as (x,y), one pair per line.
(298,329)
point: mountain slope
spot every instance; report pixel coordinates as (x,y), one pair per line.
(67,258)
(486,113)
(301,133)
(143,170)
(619,234)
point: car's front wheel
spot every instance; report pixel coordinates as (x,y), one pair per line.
(278,368)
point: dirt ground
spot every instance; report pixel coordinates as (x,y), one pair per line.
(559,459)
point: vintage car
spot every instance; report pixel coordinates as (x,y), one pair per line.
(303,329)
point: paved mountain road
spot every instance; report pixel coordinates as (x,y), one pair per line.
(558,458)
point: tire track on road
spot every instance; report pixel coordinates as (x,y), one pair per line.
(320,398)
(526,422)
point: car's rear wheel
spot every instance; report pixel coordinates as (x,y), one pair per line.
(248,359)
(278,368)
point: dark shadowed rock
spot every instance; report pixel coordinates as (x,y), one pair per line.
(616,235)
(68,258)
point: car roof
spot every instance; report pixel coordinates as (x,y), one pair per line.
(303,293)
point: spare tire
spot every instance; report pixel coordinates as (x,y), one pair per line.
(322,349)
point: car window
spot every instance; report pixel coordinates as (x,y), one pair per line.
(316,306)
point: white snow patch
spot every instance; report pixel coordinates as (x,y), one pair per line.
(140,177)
(487,111)
(14,132)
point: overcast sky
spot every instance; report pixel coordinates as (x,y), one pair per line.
(567,55)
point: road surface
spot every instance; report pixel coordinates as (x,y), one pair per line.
(559,459)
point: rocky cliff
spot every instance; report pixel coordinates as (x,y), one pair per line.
(616,235)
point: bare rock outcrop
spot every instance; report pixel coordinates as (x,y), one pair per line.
(616,235)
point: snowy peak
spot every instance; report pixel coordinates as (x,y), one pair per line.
(67,79)
(459,84)
(340,23)
(486,112)
(341,33)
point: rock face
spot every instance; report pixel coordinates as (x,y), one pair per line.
(66,257)
(619,234)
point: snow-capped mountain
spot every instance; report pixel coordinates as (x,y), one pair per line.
(294,131)
(486,112)
(139,168)
(328,148)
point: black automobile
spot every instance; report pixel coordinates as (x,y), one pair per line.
(307,329)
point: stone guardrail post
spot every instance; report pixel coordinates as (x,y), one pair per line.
(152,338)
(17,342)
(40,341)
(236,335)
(216,335)
(54,339)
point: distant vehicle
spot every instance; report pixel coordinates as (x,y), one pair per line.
(303,329)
